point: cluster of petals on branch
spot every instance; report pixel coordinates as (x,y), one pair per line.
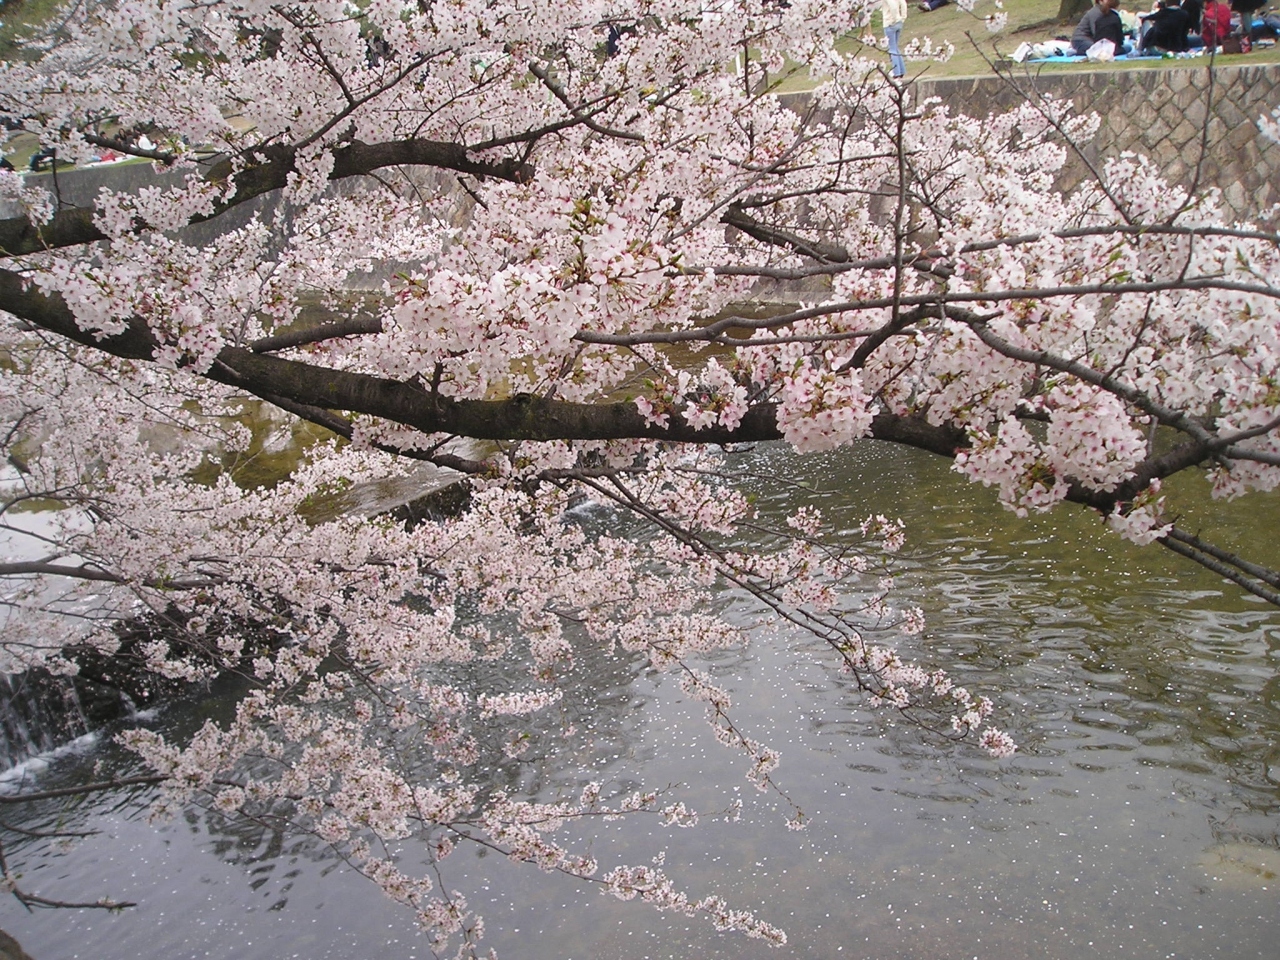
(655,888)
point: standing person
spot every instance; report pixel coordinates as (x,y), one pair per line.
(1100,23)
(894,13)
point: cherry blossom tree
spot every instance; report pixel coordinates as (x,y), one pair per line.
(547,230)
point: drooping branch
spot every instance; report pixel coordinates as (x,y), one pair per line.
(142,780)
(1252,569)
(45,834)
(30,900)
(93,574)
(1256,579)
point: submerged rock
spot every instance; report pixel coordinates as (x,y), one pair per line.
(1243,866)
(10,949)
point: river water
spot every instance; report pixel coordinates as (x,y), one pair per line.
(1140,819)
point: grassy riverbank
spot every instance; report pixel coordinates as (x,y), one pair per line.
(19,17)
(977,49)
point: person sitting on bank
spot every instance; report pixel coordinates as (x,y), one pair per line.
(1166,29)
(1192,9)
(1215,23)
(48,156)
(1100,23)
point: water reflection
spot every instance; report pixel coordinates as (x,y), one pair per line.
(1140,820)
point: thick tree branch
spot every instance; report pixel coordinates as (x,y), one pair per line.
(343,427)
(813,249)
(80,572)
(314,392)
(131,149)
(98,575)
(523,417)
(330,331)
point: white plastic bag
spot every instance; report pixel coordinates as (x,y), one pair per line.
(1101,52)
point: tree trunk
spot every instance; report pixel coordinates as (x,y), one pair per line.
(1073,9)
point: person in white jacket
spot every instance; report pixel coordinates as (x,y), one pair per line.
(895,15)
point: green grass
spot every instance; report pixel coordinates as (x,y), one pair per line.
(21,18)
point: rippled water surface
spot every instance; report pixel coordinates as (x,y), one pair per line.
(1139,820)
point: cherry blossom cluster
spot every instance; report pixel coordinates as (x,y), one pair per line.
(1142,520)
(1270,125)
(655,888)
(471,211)
(36,205)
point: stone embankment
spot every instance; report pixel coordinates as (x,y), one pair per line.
(1198,124)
